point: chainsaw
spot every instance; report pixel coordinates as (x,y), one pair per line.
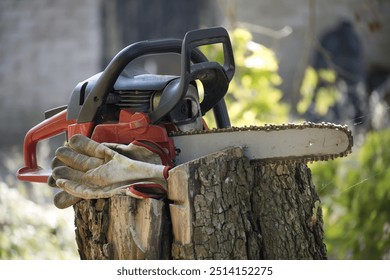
(121,106)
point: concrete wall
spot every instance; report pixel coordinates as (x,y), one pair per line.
(46,48)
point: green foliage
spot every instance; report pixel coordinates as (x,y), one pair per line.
(355,191)
(356,200)
(253,97)
(31,231)
(322,81)
(30,225)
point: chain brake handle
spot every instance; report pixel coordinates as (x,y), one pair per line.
(214,77)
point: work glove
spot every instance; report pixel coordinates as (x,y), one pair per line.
(85,169)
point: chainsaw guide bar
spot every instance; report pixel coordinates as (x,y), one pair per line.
(295,143)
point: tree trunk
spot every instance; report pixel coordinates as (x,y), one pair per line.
(220,207)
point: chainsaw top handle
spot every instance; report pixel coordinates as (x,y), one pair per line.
(215,78)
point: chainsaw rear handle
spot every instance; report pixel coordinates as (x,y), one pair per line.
(50,127)
(111,73)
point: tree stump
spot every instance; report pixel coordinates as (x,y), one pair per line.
(219,207)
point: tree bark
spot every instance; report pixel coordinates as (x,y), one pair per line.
(220,207)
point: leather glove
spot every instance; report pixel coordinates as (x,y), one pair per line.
(85,169)
(62,199)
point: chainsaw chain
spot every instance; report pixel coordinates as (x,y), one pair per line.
(273,127)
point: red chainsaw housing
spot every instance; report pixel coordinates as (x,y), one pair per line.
(131,126)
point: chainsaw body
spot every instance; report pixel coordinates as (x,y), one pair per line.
(118,108)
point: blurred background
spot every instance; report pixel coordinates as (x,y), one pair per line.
(296,60)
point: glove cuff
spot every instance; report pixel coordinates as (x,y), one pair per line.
(166,172)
